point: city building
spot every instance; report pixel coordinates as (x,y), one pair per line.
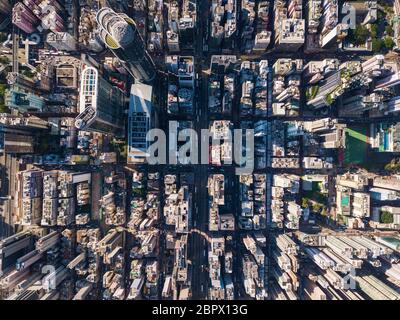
(121,36)
(101,105)
(141,118)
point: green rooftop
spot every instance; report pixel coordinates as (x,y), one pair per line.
(357,142)
(345,200)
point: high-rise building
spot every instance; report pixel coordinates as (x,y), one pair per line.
(187,23)
(50,198)
(262,40)
(385,137)
(393,105)
(23,99)
(389,81)
(186,71)
(290,35)
(28,14)
(172,41)
(120,34)
(338,33)
(101,104)
(141,114)
(186,30)
(223,29)
(52,21)
(29,196)
(17,133)
(62,41)
(24,18)
(5,6)
(5,10)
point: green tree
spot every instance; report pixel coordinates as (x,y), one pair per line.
(393,165)
(377,45)
(4,60)
(387,8)
(312,92)
(386,217)
(317,207)
(139,192)
(389,43)
(361,34)
(123,151)
(389,30)
(304,202)
(374,31)
(3,108)
(329,99)
(381,15)
(28,74)
(3,36)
